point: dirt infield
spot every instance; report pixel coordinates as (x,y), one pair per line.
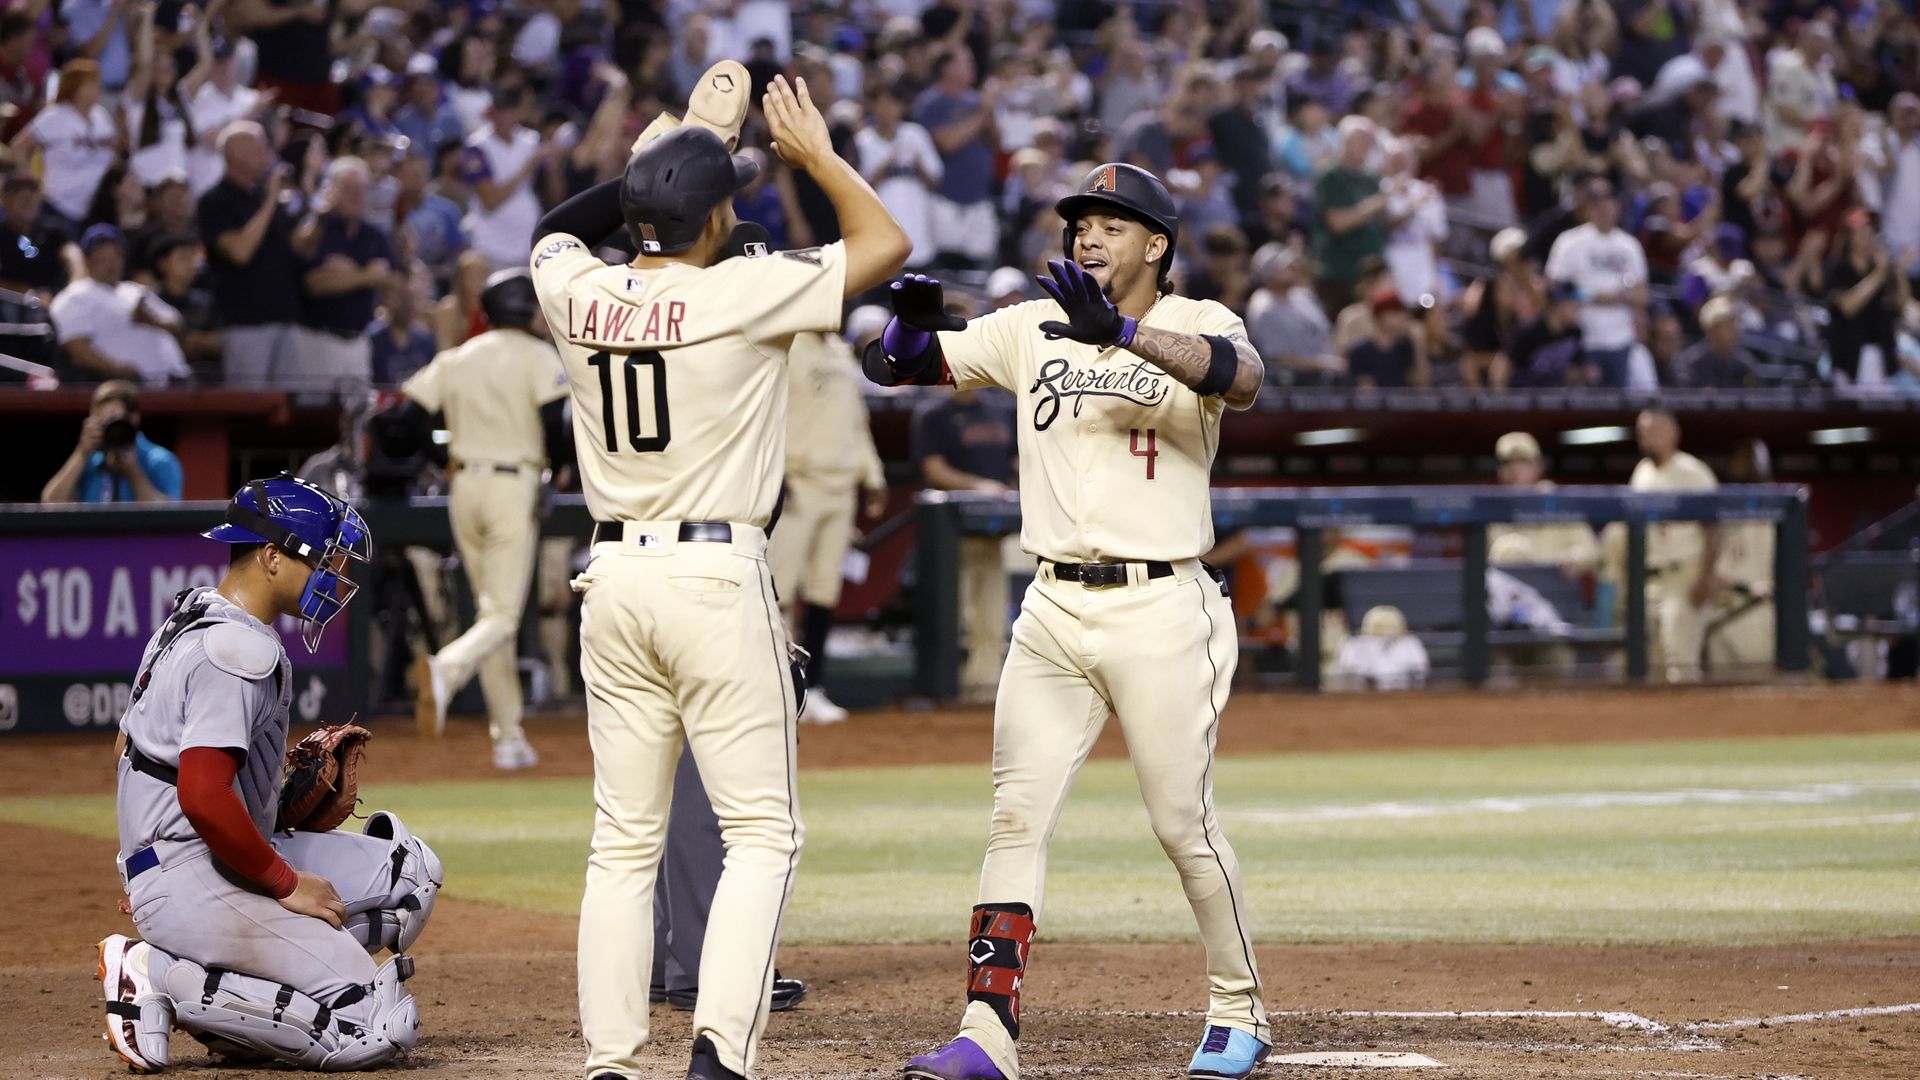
(497,995)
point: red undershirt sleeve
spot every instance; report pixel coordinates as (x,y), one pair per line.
(221,819)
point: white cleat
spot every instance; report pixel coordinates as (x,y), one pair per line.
(514,753)
(429,697)
(821,709)
(139,1017)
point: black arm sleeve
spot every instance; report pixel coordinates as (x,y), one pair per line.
(558,433)
(593,216)
(927,369)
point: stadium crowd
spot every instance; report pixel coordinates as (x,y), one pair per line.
(308,194)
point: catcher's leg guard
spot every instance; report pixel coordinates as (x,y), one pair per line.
(997,959)
(387,877)
(413,882)
(245,1016)
(254,1016)
(383,1023)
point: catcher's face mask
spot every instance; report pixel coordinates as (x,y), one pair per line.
(312,526)
(329,588)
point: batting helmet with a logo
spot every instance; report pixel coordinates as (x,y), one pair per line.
(1128,189)
(674,182)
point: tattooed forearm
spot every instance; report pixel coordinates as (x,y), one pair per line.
(1186,357)
(1183,356)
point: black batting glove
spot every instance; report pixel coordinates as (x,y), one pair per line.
(1091,317)
(919,302)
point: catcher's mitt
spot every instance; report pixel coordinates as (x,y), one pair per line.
(320,784)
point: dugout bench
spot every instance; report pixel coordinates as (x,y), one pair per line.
(1430,593)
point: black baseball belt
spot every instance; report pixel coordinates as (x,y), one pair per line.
(1092,574)
(506,468)
(691,532)
(159,770)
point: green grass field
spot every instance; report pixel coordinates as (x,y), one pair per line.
(1723,842)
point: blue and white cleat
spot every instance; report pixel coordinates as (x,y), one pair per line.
(961,1059)
(1227,1052)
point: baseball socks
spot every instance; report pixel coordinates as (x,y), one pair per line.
(815,623)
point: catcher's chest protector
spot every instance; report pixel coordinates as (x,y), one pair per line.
(211,675)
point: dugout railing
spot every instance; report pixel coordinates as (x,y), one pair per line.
(943,518)
(65,663)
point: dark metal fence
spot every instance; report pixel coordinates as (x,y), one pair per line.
(944,517)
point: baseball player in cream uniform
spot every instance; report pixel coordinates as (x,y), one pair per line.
(678,372)
(1569,544)
(1680,554)
(831,462)
(493,390)
(1121,387)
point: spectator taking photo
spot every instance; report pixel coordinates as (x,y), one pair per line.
(114,461)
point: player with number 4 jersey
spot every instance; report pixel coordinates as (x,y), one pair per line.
(677,365)
(1121,388)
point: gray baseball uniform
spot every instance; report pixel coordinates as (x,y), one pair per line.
(244,973)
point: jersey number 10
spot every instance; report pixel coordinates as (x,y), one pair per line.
(656,386)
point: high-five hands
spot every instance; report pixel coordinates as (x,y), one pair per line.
(920,302)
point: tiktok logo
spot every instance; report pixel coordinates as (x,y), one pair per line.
(311,699)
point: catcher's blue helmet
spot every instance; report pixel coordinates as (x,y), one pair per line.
(309,523)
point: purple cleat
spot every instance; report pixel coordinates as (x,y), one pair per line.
(961,1059)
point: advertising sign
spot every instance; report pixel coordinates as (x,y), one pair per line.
(76,613)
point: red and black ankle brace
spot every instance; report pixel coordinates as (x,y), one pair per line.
(997,959)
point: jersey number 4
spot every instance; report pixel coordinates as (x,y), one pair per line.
(1145,449)
(656,388)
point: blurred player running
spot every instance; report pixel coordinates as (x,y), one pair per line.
(501,393)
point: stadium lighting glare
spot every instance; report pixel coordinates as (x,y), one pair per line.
(1594,436)
(1840,436)
(1330,436)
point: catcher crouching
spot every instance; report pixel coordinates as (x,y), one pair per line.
(259,923)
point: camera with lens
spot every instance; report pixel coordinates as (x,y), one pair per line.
(118,433)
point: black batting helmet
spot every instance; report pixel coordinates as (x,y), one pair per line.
(1129,189)
(509,301)
(674,182)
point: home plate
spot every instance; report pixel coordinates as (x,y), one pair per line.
(1349,1059)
